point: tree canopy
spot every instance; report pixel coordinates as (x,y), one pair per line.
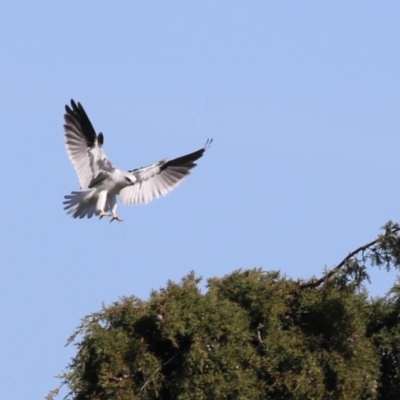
(252,335)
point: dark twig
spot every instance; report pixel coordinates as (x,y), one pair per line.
(315,283)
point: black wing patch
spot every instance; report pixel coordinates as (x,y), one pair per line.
(186,161)
(77,117)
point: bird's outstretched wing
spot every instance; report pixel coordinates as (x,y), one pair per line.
(160,178)
(84,147)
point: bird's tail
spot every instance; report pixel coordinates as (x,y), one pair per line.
(81,204)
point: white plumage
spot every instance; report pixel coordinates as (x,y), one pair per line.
(101,182)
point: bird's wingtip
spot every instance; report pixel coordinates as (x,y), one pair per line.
(208,143)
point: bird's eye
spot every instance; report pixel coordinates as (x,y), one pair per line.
(128,179)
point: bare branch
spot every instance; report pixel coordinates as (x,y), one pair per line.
(155,372)
(317,282)
(52,395)
(259,327)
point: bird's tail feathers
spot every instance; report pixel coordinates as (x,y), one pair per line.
(81,204)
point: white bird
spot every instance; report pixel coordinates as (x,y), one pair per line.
(101,182)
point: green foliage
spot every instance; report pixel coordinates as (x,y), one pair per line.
(252,335)
(309,339)
(384,331)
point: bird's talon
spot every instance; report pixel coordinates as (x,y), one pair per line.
(103,214)
(116,218)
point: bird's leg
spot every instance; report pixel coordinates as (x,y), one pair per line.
(113,207)
(101,204)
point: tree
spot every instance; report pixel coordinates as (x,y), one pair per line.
(252,335)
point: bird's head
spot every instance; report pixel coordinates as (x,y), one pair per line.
(130,179)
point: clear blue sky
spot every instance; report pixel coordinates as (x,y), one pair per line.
(301,98)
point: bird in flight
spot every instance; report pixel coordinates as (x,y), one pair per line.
(101,182)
